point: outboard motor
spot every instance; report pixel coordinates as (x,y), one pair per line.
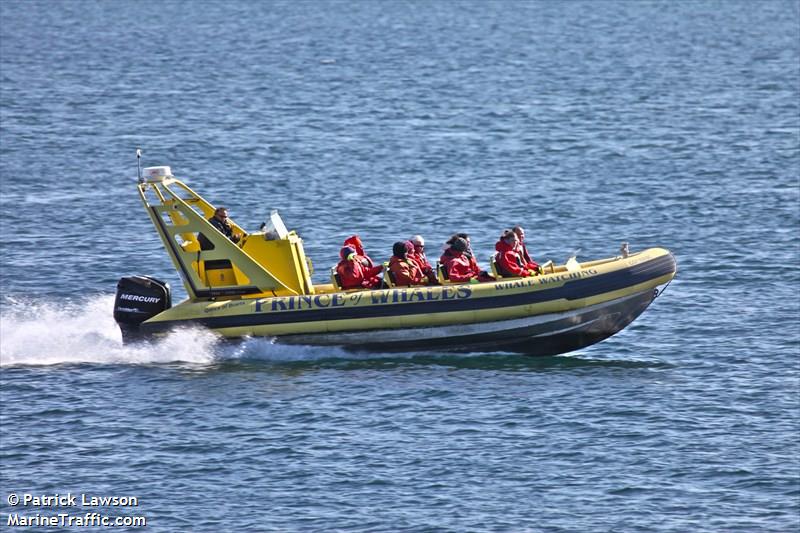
(138,299)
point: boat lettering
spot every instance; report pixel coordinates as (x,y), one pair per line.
(420,295)
(514,284)
(544,280)
(226,305)
(355,298)
(587,273)
(381,298)
(415,294)
(130,310)
(293,303)
(139,298)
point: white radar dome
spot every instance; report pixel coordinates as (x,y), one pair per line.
(157,173)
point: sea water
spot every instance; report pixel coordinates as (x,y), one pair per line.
(673,124)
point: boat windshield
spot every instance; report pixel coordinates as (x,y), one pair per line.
(275,229)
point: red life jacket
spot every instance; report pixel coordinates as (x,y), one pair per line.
(509,262)
(406,272)
(422,262)
(354,275)
(459,267)
(447,256)
(355,243)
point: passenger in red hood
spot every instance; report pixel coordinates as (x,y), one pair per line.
(509,262)
(354,242)
(353,274)
(457,264)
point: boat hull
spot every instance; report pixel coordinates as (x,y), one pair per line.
(544,315)
(541,335)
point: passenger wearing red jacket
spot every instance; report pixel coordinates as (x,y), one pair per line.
(509,262)
(457,264)
(353,274)
(528,262)
(419,257)
(406,271)
(469,257)
(354,242)
(468,253)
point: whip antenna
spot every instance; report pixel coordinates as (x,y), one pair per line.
(139,163)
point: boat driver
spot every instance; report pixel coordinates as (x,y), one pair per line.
(221,222)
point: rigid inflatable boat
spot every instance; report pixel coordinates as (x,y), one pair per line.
(261,286)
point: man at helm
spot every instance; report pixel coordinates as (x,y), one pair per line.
(221,222)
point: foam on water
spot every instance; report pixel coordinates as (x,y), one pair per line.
(36,332)
(57,332)
(266,349)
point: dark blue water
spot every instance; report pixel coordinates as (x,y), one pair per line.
(672,124)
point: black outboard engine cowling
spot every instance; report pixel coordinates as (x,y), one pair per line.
(138,299)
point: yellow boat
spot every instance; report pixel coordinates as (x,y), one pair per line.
(261,286)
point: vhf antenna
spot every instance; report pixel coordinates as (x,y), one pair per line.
(139,164)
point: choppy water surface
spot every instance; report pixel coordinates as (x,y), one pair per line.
(661,124)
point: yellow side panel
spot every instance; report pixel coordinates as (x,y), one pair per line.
(219,277)
(284,258)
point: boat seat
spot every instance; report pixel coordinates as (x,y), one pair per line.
(493,267)
(441,273)
(388,276)
(219,273)
(336,279)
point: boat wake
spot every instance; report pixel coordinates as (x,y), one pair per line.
(42,333)
(34,332)
(39,333)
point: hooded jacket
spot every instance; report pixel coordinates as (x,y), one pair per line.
(355,275)
(459,267)
(355,243)
(406,272)
(447,256)
(509,262)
